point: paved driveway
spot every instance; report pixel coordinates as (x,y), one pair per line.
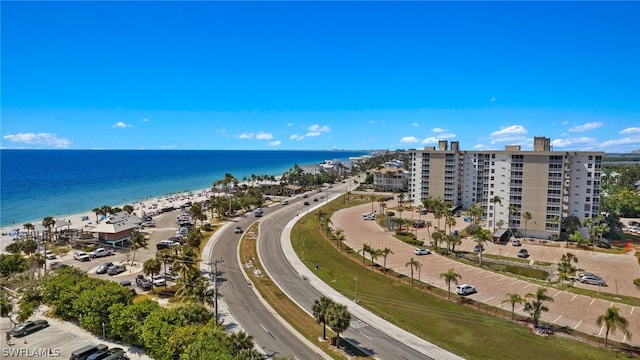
(575,311)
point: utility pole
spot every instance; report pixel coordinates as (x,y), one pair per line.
(213,274)
(356,297)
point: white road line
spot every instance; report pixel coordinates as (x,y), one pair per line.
(556,320)
(491,298)
(264,328)
(480,272)
(504,278)
(576,327)
(592,301)
(515,282)
(558,293)
(529,284)
(632,308)
(600,332)
(574,297)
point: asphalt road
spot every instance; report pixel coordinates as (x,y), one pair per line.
(273,337)
(366,337)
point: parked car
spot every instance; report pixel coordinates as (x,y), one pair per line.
(116,269)
(127,284)
(369,217)
(48,254)
(237,230)
(171,276)
(478,248)
(465,289)
(592,279)
(55,265)
(100,252)
(421,251)
(28,327)
(102,269)
(516,242)
(143,283)
(306,203)
(523,253)
(165,244)
(158,280)
(81,256)
(285,202)
(305,196)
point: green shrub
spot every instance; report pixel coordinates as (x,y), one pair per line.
(636,282)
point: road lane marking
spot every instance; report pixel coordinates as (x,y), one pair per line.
(264,328)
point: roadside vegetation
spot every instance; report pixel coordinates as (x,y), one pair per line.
(423,309)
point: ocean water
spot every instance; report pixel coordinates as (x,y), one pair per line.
(39,183)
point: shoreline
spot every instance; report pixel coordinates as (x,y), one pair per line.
(175,199)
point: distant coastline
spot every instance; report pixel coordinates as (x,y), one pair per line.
(58,183)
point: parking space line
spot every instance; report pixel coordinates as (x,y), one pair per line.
(592,301)
(576,327)
(558,293)
(528,284)
(491,298)
(632,308)
(491,275)
(479,272)
(503,278)
(556,320)
(574,297)
(515,282)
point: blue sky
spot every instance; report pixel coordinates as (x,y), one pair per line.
(320,75)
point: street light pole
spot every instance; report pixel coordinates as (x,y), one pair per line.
(356,297)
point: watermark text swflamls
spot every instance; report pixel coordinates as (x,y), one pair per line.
(30,353)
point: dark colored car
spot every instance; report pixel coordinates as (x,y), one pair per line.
(143,283)
(28,327)
(102,269)
(306,203)
(127,284)
(523,253)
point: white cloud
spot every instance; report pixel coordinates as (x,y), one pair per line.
(246,136)
(415,124)
(121,125)
(312,134)
(438,130)
(565,123)
(296,137)
(430,140)
(572,141)
(409,140)
(631,130)
(168,147)
(264,136)
(630,140)
(480,147)
(289,124)
(274,143)
(46,139)
(586,127)
(493,99)
(510,131)
(513,134)
(317,128)
(144,120)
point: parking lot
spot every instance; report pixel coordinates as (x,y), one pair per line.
(568,309)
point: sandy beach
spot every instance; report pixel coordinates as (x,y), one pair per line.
(86,220)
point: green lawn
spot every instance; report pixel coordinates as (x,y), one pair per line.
(455,327)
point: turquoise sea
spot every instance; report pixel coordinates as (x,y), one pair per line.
(39,183)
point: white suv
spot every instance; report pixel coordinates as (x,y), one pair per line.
(158,280)
(465,289)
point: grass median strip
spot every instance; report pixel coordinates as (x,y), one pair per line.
(279,301)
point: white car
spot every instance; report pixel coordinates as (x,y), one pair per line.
(158,280)
(100,252)
(81,256)
(421,251)
(465,289)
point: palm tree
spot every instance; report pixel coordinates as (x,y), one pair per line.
(613,321)
(320,308)
(428,225)
(365,249)
(138,241)
(449,277)
(385,252)
(339,234)
(475,212)
(238,341)
(513,299)
(565,268)
(513,210)
(6,307)
(526,216)
(338,319)
(151,267)
(412,263)
(374,255)
(165,257)
(29,227)
(495,200)
(48,222)
(536,305)
(482,236)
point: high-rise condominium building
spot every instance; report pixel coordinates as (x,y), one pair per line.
(548,185)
